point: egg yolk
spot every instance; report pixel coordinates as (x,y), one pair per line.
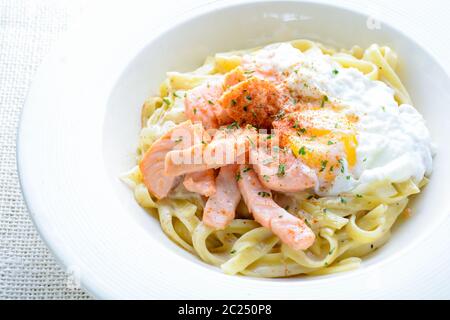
(322,138)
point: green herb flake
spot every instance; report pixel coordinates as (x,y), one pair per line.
(251,141)
(341,162)
(246,169)
(264,194)
(233,125)
(302,151)
(324,99)
(335,72)
(281,170)
(166,101)
(233,102)
(266,178)
(238,176)
(324,164)
(279,115)
(210,102)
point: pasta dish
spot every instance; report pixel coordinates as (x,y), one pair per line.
(293,158)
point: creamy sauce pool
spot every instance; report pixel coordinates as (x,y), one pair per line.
(393,141)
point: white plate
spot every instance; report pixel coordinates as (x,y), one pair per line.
(79,131)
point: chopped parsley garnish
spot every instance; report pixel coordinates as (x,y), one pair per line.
(166,100)
(233,251)
(343,200)
(324,99)
(301,131)
(302,151)
(233,102)
(330,143)
(233,125)
(251,141)
(176,95)
(269,137)
(195,110)
(348,177)
(281,170)
(331,251)
(179,139)
(335,72)
(254,113)
(359,196)
(249,71)
(324,164)
(264,194)
(246,169)
(210,102)
(238,176)
(266,178)
(331,168)
(249,98)
(279,115)
(341,162)
(203,142)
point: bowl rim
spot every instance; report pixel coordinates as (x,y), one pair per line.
(187,15)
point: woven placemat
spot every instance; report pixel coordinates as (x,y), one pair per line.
(28,28)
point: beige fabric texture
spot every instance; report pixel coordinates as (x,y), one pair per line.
(28,29)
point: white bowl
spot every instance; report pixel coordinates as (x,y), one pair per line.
(79,131)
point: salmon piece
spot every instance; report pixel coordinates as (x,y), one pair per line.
(200,105)
(280,170)
(253,101)
(202,182)
(152,164)
(220,208)
(291,230)
(226,148)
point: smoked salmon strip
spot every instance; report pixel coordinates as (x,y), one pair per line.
(291,230)
(152,165)
(279,170)
(220,208)
(202,182)
(229,146)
